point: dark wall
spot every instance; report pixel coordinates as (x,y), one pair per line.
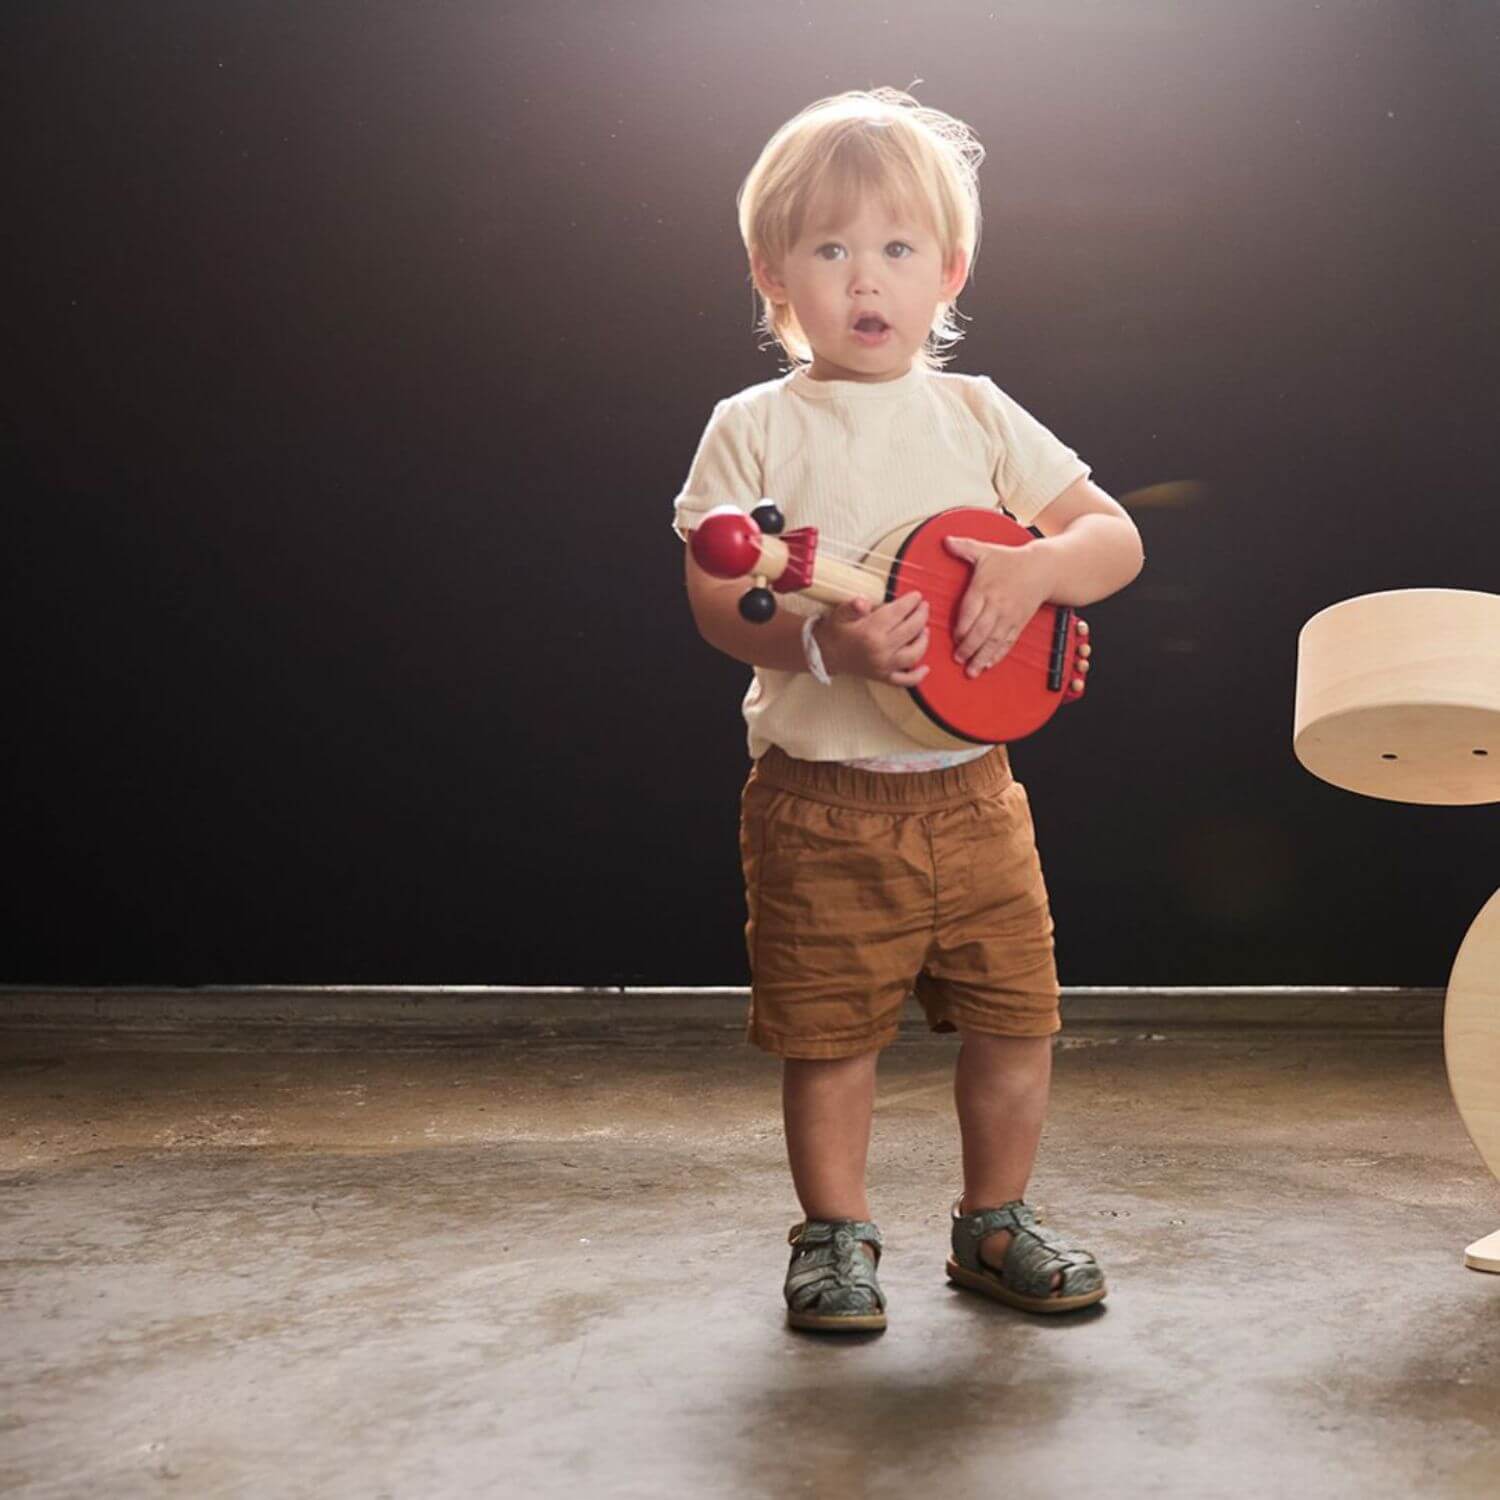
(356,351)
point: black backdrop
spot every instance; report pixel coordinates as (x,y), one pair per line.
(356,351)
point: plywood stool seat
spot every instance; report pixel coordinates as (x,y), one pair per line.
(1398,696)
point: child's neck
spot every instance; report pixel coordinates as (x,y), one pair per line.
(822,369)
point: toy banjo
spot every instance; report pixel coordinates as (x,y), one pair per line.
(1043,669)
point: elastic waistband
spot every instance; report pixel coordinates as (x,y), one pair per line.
(883,791)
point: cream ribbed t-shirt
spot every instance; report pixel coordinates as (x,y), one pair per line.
(857,459)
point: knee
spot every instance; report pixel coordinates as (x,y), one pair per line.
(831,1067)
(1000,1047)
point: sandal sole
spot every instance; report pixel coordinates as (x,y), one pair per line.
(832,1323)
(990,1286)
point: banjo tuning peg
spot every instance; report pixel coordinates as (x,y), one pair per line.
(769,518)
(758,605)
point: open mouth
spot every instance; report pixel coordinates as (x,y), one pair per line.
(871,328)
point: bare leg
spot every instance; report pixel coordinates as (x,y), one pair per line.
(827,1107)
(1000,1086)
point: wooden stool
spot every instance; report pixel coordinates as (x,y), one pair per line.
(1471,1042)
(1398,696)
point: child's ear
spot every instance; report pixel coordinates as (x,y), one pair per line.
(958,274)
(767,282)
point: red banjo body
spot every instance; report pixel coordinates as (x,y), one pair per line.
(1045,668)
(1022,691)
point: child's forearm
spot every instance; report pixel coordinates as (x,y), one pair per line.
(776,644)
(1092,558)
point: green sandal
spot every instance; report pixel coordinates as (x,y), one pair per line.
(1031,1261)
(831,1283)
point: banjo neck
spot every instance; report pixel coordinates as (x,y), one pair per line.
(830,581)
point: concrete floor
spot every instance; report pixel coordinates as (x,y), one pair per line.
(285,1263)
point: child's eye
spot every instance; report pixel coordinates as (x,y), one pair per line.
(899,250)
(829,251)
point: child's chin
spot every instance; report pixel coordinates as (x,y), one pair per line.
(884,363)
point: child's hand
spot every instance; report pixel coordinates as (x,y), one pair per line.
(883,643)
(1009,585)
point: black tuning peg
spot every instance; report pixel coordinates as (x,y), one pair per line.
(768,518)
(757,606)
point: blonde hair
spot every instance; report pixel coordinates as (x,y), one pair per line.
(877,141)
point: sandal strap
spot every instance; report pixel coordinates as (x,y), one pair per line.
(1014,1216)
(829,1271)
(1034,1256)
(824,1231)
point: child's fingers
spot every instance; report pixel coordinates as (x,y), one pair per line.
(906,626)
(908,679)
(976,613)
(902,609)
(909,655)
(852,610)
(980,630)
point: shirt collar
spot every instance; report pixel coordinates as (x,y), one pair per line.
(802,384)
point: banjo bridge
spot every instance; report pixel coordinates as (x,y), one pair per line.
(1057,664)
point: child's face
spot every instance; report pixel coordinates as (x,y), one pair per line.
(864,290)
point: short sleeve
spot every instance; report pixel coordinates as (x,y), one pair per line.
(1032,466)
(726,469)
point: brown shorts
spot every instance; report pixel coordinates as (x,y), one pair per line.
(866,886)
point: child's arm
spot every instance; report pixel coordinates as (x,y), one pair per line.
(858,639)
(1093,545)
